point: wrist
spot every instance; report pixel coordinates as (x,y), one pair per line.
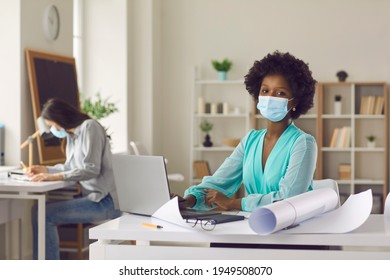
(235,204)
(59,177)
(190,201)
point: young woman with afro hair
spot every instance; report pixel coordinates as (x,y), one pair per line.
(273,163)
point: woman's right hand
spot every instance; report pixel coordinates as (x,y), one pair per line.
(186,202)
(36,169)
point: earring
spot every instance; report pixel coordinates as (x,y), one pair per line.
(294,109)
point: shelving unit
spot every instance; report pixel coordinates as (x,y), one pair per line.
(231,123)
(368,166)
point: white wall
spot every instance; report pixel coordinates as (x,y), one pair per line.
(21,28)
(10,74)
(353,35)
(105,54)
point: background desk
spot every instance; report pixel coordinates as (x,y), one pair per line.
(13,189)
(113,241)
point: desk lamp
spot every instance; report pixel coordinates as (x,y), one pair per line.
(42,129)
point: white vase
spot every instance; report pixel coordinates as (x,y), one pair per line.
(371,144)
(337,108)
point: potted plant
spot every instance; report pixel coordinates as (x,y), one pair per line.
(371,141)
(98,109)
(222,67)
(206,127)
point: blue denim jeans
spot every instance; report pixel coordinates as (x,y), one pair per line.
(74,211)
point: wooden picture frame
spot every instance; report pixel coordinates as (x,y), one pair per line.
(51,76)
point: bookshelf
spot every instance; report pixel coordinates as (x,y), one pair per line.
(344,153)
(228,106)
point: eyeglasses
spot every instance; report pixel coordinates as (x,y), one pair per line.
(206,224)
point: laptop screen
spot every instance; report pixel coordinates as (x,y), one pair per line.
(141,183)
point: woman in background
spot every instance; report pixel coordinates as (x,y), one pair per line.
(88,162)
(273,163)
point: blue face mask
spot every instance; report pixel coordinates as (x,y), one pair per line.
(273,108)
(58,133)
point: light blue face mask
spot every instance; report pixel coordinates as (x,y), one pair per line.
(58,133)
(273,108)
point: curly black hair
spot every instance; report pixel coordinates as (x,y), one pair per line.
(294,70)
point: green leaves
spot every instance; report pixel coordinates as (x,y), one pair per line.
(370,138)
(98,109)
(206,126)
(224,65)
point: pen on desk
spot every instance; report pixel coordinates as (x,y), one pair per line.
(152,225)
(24,166)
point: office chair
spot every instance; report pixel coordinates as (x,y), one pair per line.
(327,183)
(139,149)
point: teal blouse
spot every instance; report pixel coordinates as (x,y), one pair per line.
(288,172)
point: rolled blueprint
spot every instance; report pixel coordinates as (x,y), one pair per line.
(289,212)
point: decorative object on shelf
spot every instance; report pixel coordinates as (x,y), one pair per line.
(371,141)
(231,142)
(207,108)
(225,109)
(342,75)
(344,171)
(337,105)
(214,108)
(201,105)
(220,108)
(98,109)
(222,67)
(206,127)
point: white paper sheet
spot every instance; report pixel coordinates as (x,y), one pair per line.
(386,213)
(351,215)
(299,211)
(387,207)
(170,212)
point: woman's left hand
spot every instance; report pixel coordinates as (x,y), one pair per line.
(216,198)
(46,177)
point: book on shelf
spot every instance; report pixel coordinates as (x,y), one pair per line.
(333,140)
(341,137)
(346,140)
(370,105)
(201,169)
(363,105)
(379,105)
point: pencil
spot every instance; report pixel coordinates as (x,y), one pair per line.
(24,166)
(152,225)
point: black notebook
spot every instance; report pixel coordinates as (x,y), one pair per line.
(196,214)
(223,218)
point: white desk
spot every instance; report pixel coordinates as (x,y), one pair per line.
(112,241)
(13,189)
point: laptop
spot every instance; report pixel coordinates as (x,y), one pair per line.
(143,187)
